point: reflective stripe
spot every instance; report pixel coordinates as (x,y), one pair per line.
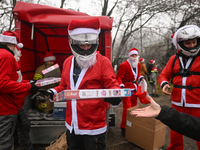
(38,76)
(88,132)
(186,104)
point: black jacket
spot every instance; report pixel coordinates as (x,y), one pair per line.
(180,122)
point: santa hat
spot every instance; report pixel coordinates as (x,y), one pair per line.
(91,26)
(154,69)
(141,60)
(10,37)
(152,61)
(49,57)
(133,51)
(172,35)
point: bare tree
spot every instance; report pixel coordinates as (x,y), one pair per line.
(134,23)
(128,23)
(62,3)
(184,12)
(6,17)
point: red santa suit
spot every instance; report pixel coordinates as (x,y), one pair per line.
(127,77)
(183,100)
(11,97)
(185,93)
(87,116)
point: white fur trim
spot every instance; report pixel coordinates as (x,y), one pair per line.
(122,85)
(8,39)
(132,52)
(20,45)
(50,58)
(152,62)
(84,31)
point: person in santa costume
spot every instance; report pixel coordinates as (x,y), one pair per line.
(127,76)
(86,69)
(184,70)
(12,90)
(49,60)
(143,70)
(150,66)
(45,105)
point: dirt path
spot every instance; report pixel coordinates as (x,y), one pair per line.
(115,140)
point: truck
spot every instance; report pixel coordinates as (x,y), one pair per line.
(43,29)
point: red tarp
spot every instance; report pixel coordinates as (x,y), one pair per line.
(41,14)
(43,28)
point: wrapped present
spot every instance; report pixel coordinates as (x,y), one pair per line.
(47,81)
(53,71)
(91,93)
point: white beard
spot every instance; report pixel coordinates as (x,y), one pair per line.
(86,63)
(17,54)
(134,61)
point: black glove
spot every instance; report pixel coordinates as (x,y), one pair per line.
(34,88)
(43,95)
(122,86)
(114,101)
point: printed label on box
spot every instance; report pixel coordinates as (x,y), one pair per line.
(50,69)
(47,81)
(59,110)
(87,93)
(91,93)
(128,123)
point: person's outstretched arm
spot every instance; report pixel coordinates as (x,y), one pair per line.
(177,121)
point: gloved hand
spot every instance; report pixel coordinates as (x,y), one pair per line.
(122,86)
(43,95)
(34,88)
(142,96)
(144,100)
(114,100)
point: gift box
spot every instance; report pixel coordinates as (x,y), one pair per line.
(59,110)
(47,81)
(53,71)
(91,93)
(147,133)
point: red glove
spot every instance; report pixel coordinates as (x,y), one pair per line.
(142,96)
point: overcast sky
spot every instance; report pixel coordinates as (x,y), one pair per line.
(90,7)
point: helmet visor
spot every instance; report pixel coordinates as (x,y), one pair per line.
(81,39)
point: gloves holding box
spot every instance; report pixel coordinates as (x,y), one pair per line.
(42,95)
(34,88)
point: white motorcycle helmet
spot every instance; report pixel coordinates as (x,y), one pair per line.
(83,32)
(82,39)
(185,33)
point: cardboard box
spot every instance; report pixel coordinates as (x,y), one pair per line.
(59,110)
(47,81)
(53,71)
(91,93)
(147,133)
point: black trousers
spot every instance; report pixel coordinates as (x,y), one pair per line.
(7,129)
(86,142)
(23,129)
